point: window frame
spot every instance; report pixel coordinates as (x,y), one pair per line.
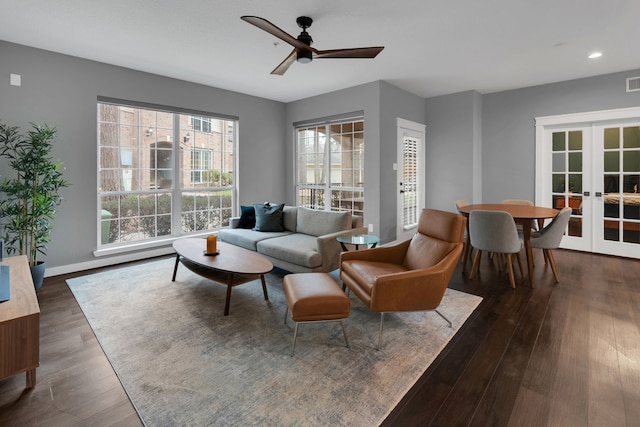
(327,194)
(220,195)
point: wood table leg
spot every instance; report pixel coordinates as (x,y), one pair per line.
(526,234)
(228,299)
(264,288)
(175,269)
(31,378)
(467,248)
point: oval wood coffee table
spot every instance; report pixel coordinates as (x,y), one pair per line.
(230,259)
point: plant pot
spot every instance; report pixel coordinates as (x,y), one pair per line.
(37,274)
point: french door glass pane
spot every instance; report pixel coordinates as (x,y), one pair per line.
(558,141)
(566,179)
(621,200)
(611,138)
(611,161)
(631,137)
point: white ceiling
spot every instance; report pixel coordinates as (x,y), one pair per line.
(432,47)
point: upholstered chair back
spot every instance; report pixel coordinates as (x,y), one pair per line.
(550,236)
(494,231)
(438,234)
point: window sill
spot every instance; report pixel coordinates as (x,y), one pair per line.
(135,247)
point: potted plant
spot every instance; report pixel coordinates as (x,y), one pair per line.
(28,199)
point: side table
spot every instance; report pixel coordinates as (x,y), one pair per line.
(20,324)
(357,240)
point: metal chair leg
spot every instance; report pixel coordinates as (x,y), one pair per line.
(448,321)
(344,332)
(380,334)
(295,335)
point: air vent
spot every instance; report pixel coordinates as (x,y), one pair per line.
(633,84)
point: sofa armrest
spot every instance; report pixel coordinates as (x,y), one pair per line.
(411,290)
(234,222)
(330,248)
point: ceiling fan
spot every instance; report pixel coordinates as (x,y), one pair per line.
(302,50)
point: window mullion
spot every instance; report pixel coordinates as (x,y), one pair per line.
(176,191)
(327,167)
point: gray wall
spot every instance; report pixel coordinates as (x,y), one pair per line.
(62,91)
(453,137)
(394,103)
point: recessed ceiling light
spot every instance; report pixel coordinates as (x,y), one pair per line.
(595,55)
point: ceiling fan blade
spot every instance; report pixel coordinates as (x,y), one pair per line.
(270,28)
(284,65)
(358,52)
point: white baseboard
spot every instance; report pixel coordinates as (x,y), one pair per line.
(107,261)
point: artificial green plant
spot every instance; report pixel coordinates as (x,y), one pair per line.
(29,198)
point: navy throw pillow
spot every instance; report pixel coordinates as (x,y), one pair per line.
(269,217)
(247,217)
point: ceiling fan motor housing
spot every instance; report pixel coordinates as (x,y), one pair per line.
(304,56)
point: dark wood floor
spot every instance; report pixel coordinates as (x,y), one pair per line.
(564,354)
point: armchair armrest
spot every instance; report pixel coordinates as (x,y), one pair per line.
(393,254)
(234,222)
(413,290)
(330,248)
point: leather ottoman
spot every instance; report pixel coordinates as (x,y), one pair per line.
(314,297)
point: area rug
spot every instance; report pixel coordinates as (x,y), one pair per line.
(183,363)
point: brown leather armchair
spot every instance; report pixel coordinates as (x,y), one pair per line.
(412,275)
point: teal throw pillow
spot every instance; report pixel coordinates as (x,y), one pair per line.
(247,217)
(269,217)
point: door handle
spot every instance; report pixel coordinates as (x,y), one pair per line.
(586,194)
(598,194)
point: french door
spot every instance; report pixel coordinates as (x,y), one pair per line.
(410,167)
(591,163)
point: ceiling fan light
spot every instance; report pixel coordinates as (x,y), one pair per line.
(304,56)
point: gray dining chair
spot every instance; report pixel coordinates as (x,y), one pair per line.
(495,232)
(523,202)
(550,237)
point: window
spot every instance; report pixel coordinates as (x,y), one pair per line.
(330,166)
(200,124)
(201,161)
(144,193)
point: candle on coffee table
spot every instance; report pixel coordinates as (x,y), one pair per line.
(212,243)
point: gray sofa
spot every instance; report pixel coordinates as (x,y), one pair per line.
(307,244)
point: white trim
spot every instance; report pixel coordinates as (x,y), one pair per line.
(105,262)
(419,129)
(589,117)
(588,122)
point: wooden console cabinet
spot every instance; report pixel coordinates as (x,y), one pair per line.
(20,324)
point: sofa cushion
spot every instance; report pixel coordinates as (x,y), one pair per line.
(246,238)
(247,217)
(290,218)
(299,249)
(319,223)
(268,217)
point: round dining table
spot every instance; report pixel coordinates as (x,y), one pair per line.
(523,215)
